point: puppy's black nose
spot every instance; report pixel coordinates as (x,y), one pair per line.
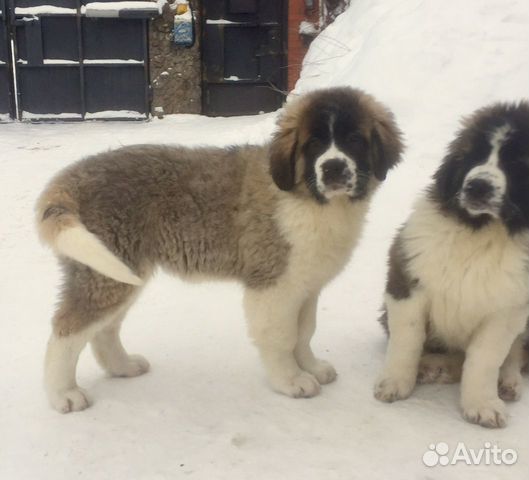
(478,189)
(335,170)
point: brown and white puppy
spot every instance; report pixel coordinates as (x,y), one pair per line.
(458,284)
(281,218)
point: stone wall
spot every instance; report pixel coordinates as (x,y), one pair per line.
(175,71)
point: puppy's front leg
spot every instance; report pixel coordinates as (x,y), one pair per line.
(510,382)
(273,324)
(322,370)
(485,355)
(407,333)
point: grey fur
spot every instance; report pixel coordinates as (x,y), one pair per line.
(204,211)
(191,211)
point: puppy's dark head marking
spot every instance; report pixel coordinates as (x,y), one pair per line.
(485,175)
(333,142)
(399,283)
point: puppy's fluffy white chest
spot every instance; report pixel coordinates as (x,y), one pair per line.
(468,274)
(322,237)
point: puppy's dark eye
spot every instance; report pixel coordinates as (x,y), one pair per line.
(356,139)
(314,142)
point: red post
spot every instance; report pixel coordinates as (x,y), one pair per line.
(297,47)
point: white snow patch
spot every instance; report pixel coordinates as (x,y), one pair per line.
(308,28)
(56,61)
(4,117)
(112,60)
(47,116)
(221,21)
(53,61)
(45,10)
(114,114)
(112,9)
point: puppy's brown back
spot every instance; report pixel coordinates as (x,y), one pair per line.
(205,211)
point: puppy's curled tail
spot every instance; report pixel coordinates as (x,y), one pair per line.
(60,227)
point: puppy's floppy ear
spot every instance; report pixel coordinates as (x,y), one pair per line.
(450,175)
(386,143)
(283,149)
(448,178)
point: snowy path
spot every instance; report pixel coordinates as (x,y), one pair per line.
(205,409)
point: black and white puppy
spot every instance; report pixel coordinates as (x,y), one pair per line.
(458,283)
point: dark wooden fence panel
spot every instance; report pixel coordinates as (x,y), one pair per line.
(243,45)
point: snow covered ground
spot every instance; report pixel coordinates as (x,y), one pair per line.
(204,411)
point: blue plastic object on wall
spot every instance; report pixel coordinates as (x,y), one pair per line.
(184,29)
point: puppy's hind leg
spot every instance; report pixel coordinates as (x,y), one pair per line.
(90,302)
(112,356)
(60,366)
(322,370)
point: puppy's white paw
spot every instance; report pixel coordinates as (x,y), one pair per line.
(322,370)
(490,414)
(510,387)
(391,389)
(73,400)
(134,366)
(302,385)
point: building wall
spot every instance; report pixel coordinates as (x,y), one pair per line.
(298,44)
(175,71)
(176,74)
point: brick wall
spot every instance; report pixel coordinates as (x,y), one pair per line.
(297,44)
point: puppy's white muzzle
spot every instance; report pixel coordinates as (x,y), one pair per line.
(335,173)
(483,190)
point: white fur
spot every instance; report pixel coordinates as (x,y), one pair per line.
(468,274)
(474,291)
(333,152)
(78,243)
(493,174)
(510,384)
(63,353)
(60,365)
(282,318)
(407,320)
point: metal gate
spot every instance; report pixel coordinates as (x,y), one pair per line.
(243,45)
(76,59)
(6,88)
